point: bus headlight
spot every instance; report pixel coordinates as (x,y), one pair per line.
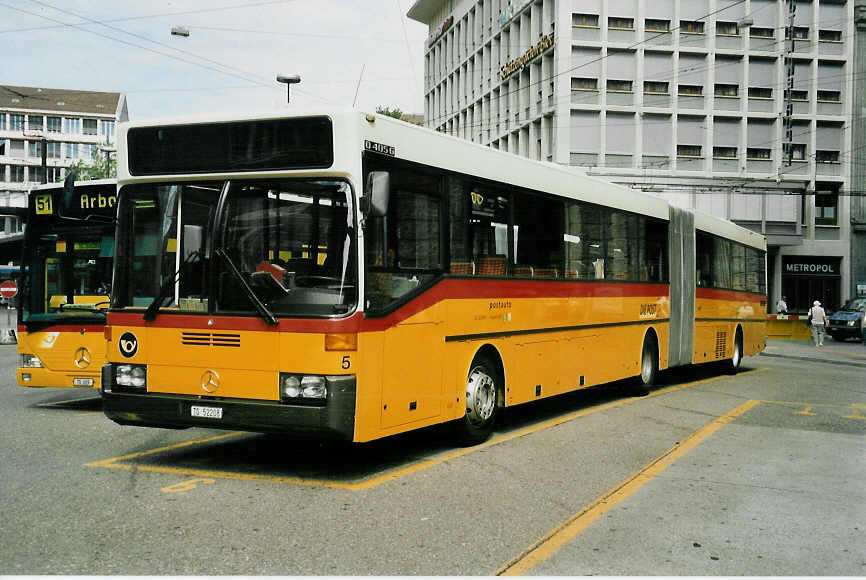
(303,389)
(130,377)
(853,322)
(31,361)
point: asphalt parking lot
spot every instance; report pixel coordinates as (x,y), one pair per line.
(759,473)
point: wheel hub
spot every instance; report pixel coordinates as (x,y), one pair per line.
(480,396)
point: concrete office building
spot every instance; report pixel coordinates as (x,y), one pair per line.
(684,98)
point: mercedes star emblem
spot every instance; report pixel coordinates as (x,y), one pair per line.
(210,381)
(82,357)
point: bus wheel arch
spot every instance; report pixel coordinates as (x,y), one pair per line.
(484,395)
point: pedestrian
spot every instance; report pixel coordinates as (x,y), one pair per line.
(818,321)
(782,306)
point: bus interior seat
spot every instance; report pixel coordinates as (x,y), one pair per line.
(492,266)
(463,268)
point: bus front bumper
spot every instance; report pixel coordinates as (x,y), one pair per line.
(42,377)
(336,419)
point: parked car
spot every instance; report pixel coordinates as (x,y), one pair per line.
(847,322)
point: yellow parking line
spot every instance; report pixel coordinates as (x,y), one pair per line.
(560,536)
(363,484)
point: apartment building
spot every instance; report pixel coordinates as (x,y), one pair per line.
(43,131)
(739,108)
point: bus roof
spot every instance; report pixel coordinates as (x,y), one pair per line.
(82,183)
(427,147)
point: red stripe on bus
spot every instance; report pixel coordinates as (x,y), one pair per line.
(732,295)
(447,289)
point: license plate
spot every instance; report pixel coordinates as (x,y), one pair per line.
(206,412)
(82,382)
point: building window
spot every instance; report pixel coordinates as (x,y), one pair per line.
(796,151)
(16,173)
(724,152)
(620,23)
(2,121)
(34,174)
(54,124)
(584,84)
(800,33)
(16,147)
(71,151)
(655,88)
(585,20)
(618,86)
(106,129)
(757,153)
(35,122)
(72,126)
(830,36)
(16,122)
(826,204)
(653,25)
(760,93)
(756,32)
(35,148)
(830,96)
(691,26)
(799,95)
(825,156)
(89,126)
(727,29)
(691,90)
(724,90)
(55,174)
(53,148)
(688,150)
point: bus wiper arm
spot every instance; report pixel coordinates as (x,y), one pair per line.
(153,308)
(263,310)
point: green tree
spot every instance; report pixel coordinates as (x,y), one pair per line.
(395,112)
(103,166)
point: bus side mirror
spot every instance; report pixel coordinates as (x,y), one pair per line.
(376,192)
(67,198)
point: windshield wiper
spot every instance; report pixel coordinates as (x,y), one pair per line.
(263,310)
(167,285)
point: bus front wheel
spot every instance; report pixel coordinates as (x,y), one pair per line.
(482,385)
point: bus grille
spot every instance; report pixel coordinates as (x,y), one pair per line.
(721,344)
(210,339)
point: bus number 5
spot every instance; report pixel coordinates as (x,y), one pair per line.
(346,363)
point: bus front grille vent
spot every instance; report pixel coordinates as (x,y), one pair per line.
(721,344)
(210,339)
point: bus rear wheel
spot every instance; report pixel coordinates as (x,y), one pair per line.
(483,384)
(649,367)
(737,356)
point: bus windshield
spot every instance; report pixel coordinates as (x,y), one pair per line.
(278,248)
(67,271)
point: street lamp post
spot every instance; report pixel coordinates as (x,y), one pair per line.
(289,80)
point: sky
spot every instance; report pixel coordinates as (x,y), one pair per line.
(229,61)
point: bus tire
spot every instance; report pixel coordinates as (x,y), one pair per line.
(649,366)
(483,385)
(733,363)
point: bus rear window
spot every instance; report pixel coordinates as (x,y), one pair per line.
(238,146)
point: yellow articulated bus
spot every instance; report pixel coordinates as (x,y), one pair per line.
(65,278)
(355,276)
